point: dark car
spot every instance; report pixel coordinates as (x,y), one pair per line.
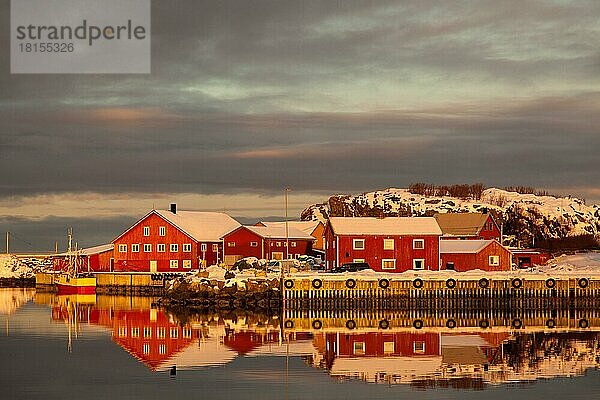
(351,267)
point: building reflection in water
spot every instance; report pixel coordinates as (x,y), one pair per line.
(465,356)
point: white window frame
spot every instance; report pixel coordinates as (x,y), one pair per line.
(359,350)
(253,244)
(162,231)
(162,348)
(173,332)
(186,247)
(135,248)
(203,247)
(147,332)
(388,244)
(384,260)
(355,241)
(146,348)
(494,261)
(186,332)
(389,347)
(187,264)
(173,248)
(415,241)
(215,248)
(146,231)
(278,244)
(230,244)
(147,248)
(358,260)
(421,347)
(415,263)
(135,332)
(293,244)
(122,248)
(161,248)
(173,263)
(160,332)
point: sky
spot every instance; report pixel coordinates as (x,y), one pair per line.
(324,97)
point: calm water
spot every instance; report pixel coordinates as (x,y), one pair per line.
(106,347)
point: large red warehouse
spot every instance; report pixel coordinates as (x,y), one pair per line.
(468,226)
(172,241)
(466,255)
(386,244)
(266,242)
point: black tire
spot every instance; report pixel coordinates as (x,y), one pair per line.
(517,323)
(551,323)
(289,324)
(418,283)
(317,283)
(350,283)
(583,323)
(484,324)
(583,283)
(288,283)
(450,283)
(484,283)
(550,283)
(451,324)
(350,324)
(417,324)
(516,283)
(317,324)
(384,283)
(384,324)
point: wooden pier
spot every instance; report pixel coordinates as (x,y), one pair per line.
(115,283)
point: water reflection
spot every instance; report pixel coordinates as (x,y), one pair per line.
(466,354)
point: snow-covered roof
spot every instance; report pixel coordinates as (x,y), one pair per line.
(463,246)
(278,232)
(461,224)
(91,250)
(304,226)
(369,367)
(385,226)
(201,226)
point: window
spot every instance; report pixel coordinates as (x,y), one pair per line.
(278,244)
(418,264)
(358,244)
(230,244)
(187,263)
(162,349)
(147,332)
(122,331)
(174,264)
(135,332)
(162,231)
(146,348)
(147,247)
(358,260)
(419,347)
(333,244)
(174,248)
(418,243)
(122,248)
(253,244)
(494,261)
(135,248)
(146,231)
(388,244)
(293,244)
(203,247)
(186,332)
(187,247)
(160,247)
(174,333)
(160,333)
(359,347)
(388,347)
(215,248)
(388,263)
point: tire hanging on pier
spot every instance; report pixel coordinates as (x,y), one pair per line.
(582,282)
(288,284)
(484,283)
(418,283)
(384,324)
(550,283)
(350,324)
(317,324)
(350,283)
(517,323)
(451,283)
(517,283)
(551,323)
(384,283)
(451,323)
(583,323)
(289,324)
(484,324)
(317,283)
(417,324)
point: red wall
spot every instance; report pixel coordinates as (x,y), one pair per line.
(243,237)
(469,261)
(97,262)
(140,261)
(403,343)
(486,233)
(373,253)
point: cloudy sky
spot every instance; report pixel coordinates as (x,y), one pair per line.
(247,97)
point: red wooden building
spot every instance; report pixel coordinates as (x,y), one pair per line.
(172,241)
(93,259)
(265,242)
(468,226)
(526,258)
(466,255)
(386,244)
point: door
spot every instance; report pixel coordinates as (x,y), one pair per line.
(277,255)
(153,266)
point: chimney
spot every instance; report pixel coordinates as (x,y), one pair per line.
(174,208)
(484,210)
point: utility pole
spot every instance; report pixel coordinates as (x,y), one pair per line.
(7,241)
(287,235)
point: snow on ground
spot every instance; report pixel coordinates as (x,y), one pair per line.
(576,263)
(11,267)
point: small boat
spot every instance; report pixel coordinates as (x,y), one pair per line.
(73,281)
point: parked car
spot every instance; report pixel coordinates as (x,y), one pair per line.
(351,267)
(276,265)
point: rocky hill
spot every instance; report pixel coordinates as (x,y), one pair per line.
(527,219)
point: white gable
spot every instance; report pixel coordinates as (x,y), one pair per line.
(385,226)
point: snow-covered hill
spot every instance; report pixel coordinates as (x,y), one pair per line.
(525,217)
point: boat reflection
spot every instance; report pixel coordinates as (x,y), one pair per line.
(469,354)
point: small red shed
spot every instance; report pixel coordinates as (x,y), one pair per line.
(467,255)
(386,244)
(526,258)
(94,259)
